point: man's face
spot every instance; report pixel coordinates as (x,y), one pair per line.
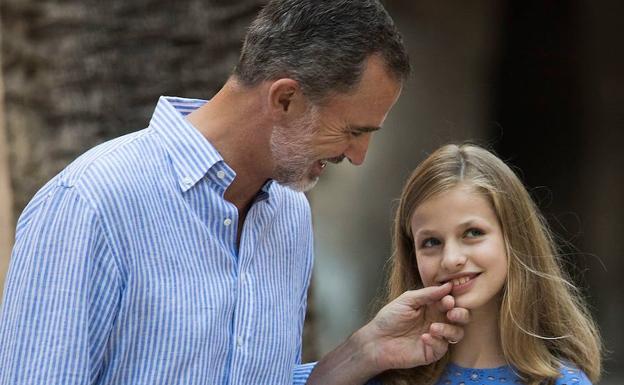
(292,153)
(340,129)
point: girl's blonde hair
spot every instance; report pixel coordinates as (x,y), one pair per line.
(543,320)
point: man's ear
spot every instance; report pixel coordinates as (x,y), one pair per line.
(286,98)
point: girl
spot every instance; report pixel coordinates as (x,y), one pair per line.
(464,217)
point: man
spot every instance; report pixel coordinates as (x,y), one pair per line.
(170,256)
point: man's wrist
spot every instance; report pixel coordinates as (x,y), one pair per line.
(365,342)
(353,362)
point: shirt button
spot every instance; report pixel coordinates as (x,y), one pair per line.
(227,221)
(220,174)
(187,181)
(239,341)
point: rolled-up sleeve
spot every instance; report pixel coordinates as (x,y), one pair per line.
(302,372)
(61,295)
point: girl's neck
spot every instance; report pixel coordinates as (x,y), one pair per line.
(481,345)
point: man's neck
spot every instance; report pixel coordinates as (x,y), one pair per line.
(236,125)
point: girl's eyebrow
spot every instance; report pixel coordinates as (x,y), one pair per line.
(467,223)
(473,222)
(424,233)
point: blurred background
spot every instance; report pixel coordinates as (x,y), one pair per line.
(539,82)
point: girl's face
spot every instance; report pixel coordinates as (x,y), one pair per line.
(457,238)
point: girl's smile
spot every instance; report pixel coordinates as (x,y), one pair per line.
(461,282)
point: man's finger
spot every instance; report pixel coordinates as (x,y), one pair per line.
(451,333)
(434,347)
(445,304)
(458,315)
(428,352)
(425,296)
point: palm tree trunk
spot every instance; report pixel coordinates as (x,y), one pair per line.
(6,198)
(79,72)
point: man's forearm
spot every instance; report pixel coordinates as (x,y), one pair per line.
(351,363)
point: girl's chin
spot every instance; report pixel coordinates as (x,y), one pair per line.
(469,302)
(467,305)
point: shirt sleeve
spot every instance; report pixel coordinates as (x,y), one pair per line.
(302,371)
(61,295)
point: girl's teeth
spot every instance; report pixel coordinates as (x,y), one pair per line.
(460,281)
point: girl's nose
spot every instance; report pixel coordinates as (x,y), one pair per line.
(453,257)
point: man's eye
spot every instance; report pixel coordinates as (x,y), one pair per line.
(429,242)
(356,133)
(473,233)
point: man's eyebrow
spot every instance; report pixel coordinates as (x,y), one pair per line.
(363,129)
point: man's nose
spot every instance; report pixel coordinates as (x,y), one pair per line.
(357,149)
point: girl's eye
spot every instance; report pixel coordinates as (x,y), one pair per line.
(429,242)
(473,233)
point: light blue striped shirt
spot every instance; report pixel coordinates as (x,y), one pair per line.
(126,270)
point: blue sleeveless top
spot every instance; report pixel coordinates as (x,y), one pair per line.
(456,375)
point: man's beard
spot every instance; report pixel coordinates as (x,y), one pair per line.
(292,152)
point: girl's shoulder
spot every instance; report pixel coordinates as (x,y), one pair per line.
(454,374)
(572,375)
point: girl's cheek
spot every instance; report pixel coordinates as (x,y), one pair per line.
(427,273)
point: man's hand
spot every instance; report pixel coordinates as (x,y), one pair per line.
(413,330)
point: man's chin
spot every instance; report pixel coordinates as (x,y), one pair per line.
(301,185)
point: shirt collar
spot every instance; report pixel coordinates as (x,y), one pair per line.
(265,191)
(191,153)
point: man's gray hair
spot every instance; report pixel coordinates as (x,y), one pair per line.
(323,44)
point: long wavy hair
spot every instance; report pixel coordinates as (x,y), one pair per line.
(543,320)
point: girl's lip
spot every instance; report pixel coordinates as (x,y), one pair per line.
(464,287)
(458,276)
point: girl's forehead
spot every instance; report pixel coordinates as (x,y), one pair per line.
(453,204)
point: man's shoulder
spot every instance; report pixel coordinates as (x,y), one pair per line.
(290,199)
(109,161)
(116,168)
